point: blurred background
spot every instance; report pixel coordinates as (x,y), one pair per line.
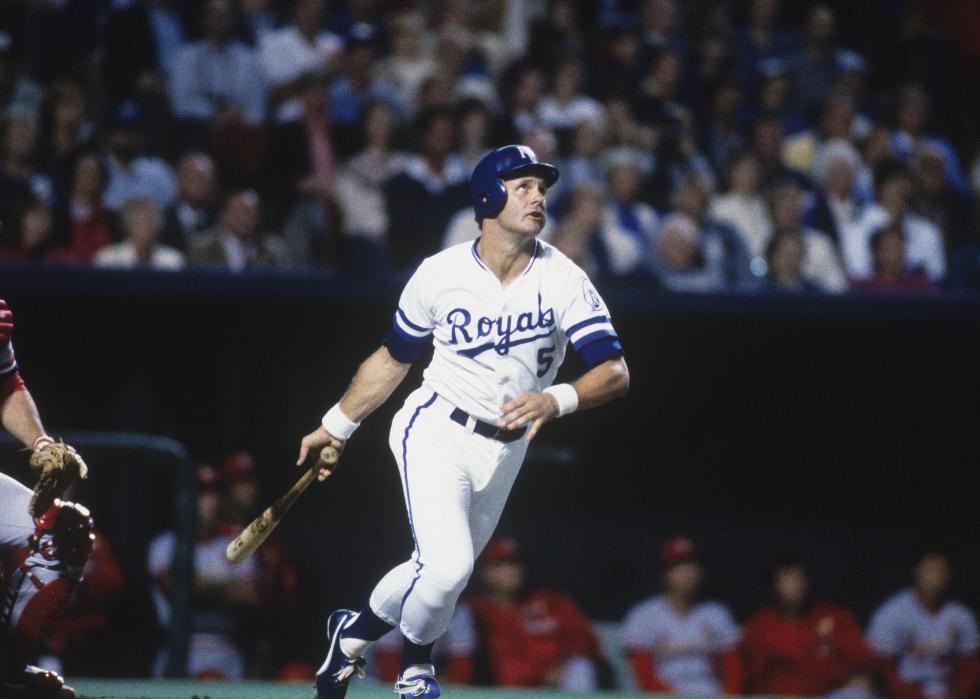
(207,210)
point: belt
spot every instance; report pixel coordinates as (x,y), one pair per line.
(485,429)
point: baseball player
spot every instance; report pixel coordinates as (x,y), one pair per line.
(677,643)
(929,643)
(499,312)
(44,541)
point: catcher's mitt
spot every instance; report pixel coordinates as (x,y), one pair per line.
(58,465)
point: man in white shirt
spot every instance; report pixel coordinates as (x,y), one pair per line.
(298,57)
(143,223)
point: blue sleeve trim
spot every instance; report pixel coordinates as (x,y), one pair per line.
(588,321)
(592,337)
(401,349)
(413,326)
(413,339)
(599,351)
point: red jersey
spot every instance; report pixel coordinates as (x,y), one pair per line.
(526,639)
(803,656)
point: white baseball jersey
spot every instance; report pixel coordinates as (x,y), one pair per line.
(926,644)
(494,343)
(684,645)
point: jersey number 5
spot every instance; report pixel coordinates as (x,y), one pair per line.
(545,360)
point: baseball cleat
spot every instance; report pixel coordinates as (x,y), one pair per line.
(337,670)
(418,682)
(35,683)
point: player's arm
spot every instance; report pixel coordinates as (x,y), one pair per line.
(20,417)
(376,379)
(602,383)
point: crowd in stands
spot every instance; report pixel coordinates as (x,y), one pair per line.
(704,146)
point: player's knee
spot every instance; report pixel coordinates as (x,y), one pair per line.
(63,538)
(448,576)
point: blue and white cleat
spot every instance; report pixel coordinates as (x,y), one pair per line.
(337,670)
(418,681)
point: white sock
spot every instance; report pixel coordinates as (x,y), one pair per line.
(352,647)
(416,670)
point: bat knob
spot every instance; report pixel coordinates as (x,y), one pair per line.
(328,457)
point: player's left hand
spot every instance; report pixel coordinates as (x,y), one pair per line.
(536,408)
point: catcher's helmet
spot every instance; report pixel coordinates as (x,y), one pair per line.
(487,189)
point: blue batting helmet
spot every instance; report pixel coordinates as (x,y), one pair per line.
(487,189)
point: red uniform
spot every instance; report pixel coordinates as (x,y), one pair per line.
(531,637)
(804,656)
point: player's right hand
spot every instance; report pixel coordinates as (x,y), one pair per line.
(6,323)
(314,442)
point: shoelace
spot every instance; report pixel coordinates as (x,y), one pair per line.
(412,688)
(351,668)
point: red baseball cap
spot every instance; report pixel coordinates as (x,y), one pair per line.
(676,550)
(501,549)
(238,464)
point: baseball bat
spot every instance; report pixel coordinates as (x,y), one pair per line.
(260,528)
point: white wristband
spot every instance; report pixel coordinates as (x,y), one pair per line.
(566,396)
(338,424)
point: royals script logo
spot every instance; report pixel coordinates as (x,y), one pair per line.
(509,330)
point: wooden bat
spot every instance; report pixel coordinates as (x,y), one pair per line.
(260,528)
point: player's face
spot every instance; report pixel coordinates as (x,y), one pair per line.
(524,213)
(791,587)
(503,578)
(932,576)
(683,579)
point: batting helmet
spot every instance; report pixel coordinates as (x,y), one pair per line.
(487,189)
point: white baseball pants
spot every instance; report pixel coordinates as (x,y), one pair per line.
(456,484)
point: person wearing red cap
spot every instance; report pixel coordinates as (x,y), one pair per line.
(804,647)
(223,594)
(533,637)
(677,644)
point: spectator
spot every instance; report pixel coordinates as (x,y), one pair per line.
(821,261)
(17,90)
(914,112)
(888,260)
(88,224)
(132,173)
(659,25)
(692,197)
(409,63)
(221,593)
(677,643)
(923,241)
(356,86)
(578,234)
(684,260)
(360,195)
(586,165)
(785,253)
(64,134)
(799,646)
(835,124)
(19,147)
(768,133)
(34,238)
(218,79)
(814,67)
(761,40)
(534,637)
(927,641)
(421,199)
(836,209)
(935,199)
(475,131)
(298,58)
(142,41)
(742,207)
(142,225)
(628,224)
(236,242)
(565,107)
(193,211)
(721,138)
(452,653)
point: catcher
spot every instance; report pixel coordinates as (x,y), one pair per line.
(44,541)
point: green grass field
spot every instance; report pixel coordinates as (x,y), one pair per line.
(179,689)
